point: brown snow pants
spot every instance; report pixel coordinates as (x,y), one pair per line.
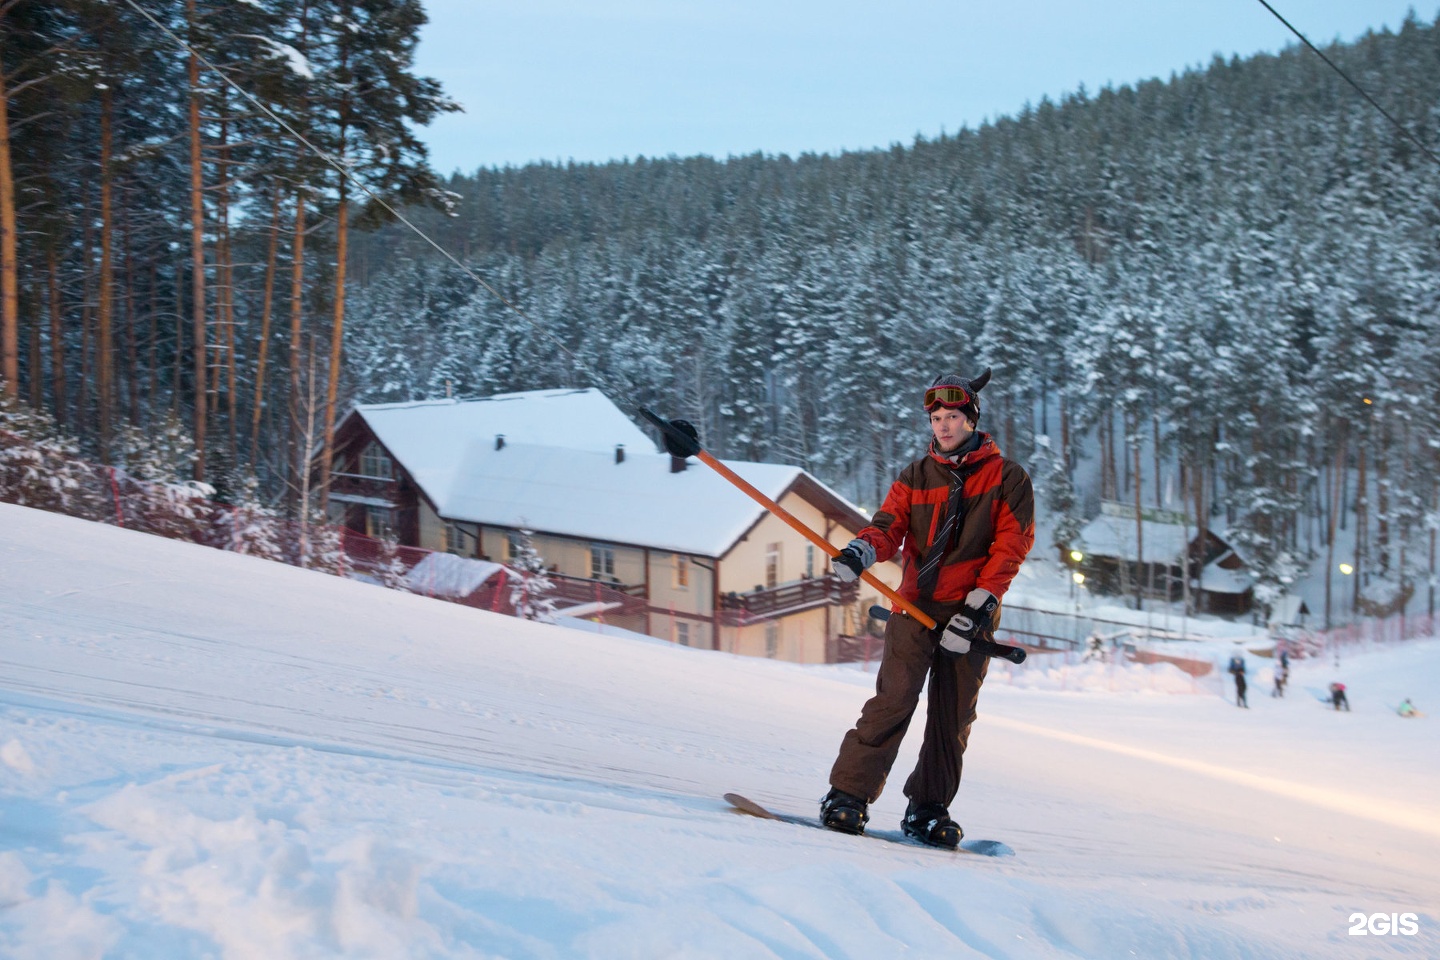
(912,653)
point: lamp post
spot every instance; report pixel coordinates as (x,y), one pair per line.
(1077,581)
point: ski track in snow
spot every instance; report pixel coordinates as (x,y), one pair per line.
(205,755)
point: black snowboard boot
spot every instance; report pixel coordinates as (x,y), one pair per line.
(930,823)
(844,812)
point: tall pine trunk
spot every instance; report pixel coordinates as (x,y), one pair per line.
(337,332)
(295,401)
(263,348)
(197,254)
(9,291)
(105,309)
(57,337)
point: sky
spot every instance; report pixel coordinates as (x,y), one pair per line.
(598,80)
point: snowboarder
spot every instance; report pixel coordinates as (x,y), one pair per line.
(962,517)
(1338,698)
(1237,670)
(1407,709)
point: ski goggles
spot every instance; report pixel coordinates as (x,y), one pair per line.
(946,396)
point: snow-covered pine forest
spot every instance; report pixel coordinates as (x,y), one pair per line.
(1212,294)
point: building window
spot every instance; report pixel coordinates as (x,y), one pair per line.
(380,523)
(375,462)
(772,639)
(682,572)
(602,562)
(456,541)
(810,560)
(772,566)
(514,544)
(682,633)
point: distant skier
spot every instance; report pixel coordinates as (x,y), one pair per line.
(1282,676)
(963,519)
(1095,650)
(1237,670)
(1407,709)
(1338,698)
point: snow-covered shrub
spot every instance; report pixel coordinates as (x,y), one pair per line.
(531,592)
(248,526)
(40,465)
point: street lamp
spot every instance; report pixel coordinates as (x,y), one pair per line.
(1346,569)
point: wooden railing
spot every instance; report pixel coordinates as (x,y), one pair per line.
(741,609)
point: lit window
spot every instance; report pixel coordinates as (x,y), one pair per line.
(772,566)
(682,572)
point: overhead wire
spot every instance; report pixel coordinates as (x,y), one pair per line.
(1358,89)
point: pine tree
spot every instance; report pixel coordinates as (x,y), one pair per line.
(531,592)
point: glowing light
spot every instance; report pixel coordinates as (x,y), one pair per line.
(1076,555)
(1346,569)
(1368,401)
(1078,577)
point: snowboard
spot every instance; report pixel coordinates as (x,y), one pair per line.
(983,848)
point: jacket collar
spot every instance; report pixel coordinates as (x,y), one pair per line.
(984,450)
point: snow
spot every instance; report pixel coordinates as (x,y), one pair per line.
(446,575)
(1112,536)
(204,754)
(551,438)
(637,501)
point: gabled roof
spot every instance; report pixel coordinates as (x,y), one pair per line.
(588,495)
(556,472)
(1111,536)
(429,437)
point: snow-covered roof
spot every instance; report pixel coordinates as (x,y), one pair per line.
(556,472)
(588,495)
(446,575)
(1109,536)
(429,437)
(1217,579)
(1287,610)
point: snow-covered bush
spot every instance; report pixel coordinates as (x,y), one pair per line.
(531,592)
(40,465)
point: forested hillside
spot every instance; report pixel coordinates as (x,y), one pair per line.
(1214,294)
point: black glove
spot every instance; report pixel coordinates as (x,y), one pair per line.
(974,621)
(850,562)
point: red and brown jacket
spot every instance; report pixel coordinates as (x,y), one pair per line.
(996,530)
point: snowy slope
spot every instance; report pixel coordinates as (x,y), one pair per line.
(208,755)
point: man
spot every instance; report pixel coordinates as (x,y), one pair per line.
(1237,670)
(963,519)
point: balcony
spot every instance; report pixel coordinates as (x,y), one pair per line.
(743,609)
(360,488)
